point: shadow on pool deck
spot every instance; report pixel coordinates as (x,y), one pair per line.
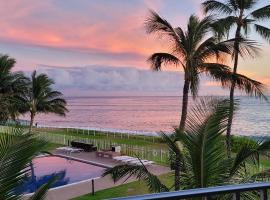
(82,188)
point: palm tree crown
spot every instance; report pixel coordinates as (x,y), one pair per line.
(242,15)
(196,51)
(12,84)
(41,98)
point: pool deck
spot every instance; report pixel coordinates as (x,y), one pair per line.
(85,187)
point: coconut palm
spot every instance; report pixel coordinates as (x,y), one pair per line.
(16,152)
(202,153)
(243,15)
(41,98)
(11,84)
(195,50)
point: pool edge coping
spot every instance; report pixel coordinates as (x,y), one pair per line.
(82,160)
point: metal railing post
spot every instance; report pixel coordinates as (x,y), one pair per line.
(93,187)
(236,196)
(263,194)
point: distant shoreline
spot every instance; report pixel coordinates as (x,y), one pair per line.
(109,130)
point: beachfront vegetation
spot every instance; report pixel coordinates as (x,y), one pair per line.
(20,95)
(198,51)
(39,97)
(16,152)
(202,154)
(12,85)
(240,17)
(191,49)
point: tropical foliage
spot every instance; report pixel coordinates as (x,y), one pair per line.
(41,98)
(241,16)
(202,154)
(198,52)
(16,153)
(12,84)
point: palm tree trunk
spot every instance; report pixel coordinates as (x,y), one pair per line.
(230,119)
(32,116)
(184,106)
(177,173)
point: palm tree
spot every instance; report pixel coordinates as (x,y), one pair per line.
(41,98)
(203,156)
(11,84)
(16,152)
(242,15)
(194,50)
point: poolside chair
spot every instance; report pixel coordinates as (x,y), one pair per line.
(130,160)
(144,162)
(69,149)
(122,158)
(86,147)
(116,157)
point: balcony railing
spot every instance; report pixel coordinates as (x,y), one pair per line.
(235,190)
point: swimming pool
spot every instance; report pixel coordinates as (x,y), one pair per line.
(67,170)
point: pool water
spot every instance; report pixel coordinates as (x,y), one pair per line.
(67,171)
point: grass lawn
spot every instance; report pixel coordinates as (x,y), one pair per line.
(129,189)
(139,140)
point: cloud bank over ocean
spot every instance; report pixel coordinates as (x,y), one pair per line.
(107,80)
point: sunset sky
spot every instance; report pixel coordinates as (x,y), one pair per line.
(92,46)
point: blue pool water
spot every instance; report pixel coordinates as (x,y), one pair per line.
(67,170)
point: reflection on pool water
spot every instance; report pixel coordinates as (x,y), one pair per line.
(67,170)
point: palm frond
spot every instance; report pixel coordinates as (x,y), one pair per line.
(216,6)
(225,77)
(262,175)
(156,24)
(140,172)
(245,5)
(16,152)
(262,13)
(197,30)
(247,48)
(205,124)
(171,143)
(222,26)
(211,49)
(6,64)
(251,152)
(41,193)
(243,83)
(215,71)
(162,58)
(263,31)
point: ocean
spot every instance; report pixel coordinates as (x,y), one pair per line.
(141,114)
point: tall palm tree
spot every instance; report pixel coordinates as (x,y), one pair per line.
(11,84)
(41,98)
(16,153)
(243,16)
(195,50)
(203,156)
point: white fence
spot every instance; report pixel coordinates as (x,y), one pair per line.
(143,152)
(158,155)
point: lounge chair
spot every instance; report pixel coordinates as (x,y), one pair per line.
(86,147)
(128,160)
(122,158)
(69,149)
(144,162)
